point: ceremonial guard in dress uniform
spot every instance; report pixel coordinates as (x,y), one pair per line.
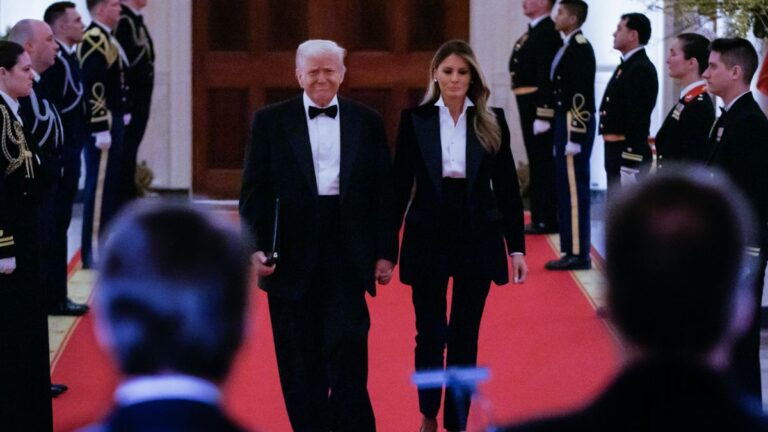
(529,72)
(25,399)
(134,37)
(573,96)
(102,60)
(625,112)
(62,85)
(684,133)
(739,143)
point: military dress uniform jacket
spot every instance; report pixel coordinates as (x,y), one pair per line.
(739,142)
(62,85)
(530,63)
(102,64)
(627,106)
(684,135)
(42,119)
(135,40)
(573,87)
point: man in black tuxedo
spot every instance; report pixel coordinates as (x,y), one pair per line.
(625,112)
(683,135)
(102,61)
(63,86)
(325,158)
(739,143)
(529,72)
(680,317)
(133,35)
(170,309)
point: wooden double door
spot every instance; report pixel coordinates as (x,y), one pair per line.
(244,53)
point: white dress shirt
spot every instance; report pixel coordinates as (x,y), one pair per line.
(13,105)
(325,139)
(626,56)
(69,49)
(453,140)
(148,388)
(534,22)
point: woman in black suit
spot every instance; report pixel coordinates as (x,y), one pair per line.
(455,150)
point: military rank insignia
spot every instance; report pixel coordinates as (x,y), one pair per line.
(678,110)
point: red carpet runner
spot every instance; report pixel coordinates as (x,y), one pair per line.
(546,349)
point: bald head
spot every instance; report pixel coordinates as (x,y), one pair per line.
(37,39)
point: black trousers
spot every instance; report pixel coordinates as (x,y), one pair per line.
(746,355)
(49,235)
(321,341)
(458,335)
(112,197)
(141,95)
(25,383)
(541,164)
(614,162)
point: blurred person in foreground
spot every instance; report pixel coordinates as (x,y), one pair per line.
(170,308)
(679,315)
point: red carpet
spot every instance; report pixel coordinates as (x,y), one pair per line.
(546,349)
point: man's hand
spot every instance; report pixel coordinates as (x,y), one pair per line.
(384,271)
(541,126)
(7,265)
(628,176)
(572,149)
(519,269)
(103,140)
(258,261)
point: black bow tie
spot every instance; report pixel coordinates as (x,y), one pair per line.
(329,111)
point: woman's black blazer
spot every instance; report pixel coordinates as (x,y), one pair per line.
(493,198)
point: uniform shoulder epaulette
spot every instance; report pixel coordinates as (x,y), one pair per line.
(96,41)
(581,39)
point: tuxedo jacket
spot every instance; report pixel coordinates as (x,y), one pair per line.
(628,103)
(660,397)
(739,143)
(531,59)
(684,135)
(493,197)
(102,65)
(279,163)
(166,415)
(573,87)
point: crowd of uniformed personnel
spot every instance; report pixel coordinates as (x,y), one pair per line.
(557,112)
(67,92)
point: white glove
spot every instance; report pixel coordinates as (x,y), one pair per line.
(7,265)
(572,149)
(541,126)
(103,140)
(628,176)
(127,119)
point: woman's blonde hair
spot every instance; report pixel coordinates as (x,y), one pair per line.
(486,125)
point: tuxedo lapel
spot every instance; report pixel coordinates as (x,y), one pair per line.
(475,150)
(295,124)
(350,138)
(427,126)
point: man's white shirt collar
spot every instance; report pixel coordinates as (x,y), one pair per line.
(308,103)
(728,107)
(536,21)
(148,388)
(35,76)
(70,49)
(626,56)
(103,26)
(135,12)
(690,87)
(567,37)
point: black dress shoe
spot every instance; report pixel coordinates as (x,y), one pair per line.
(58,389)
(569,262)
(68,308)
(540,228)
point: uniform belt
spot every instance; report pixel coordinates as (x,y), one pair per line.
(519,91)
(614,138)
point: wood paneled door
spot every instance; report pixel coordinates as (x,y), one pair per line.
(243,59)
